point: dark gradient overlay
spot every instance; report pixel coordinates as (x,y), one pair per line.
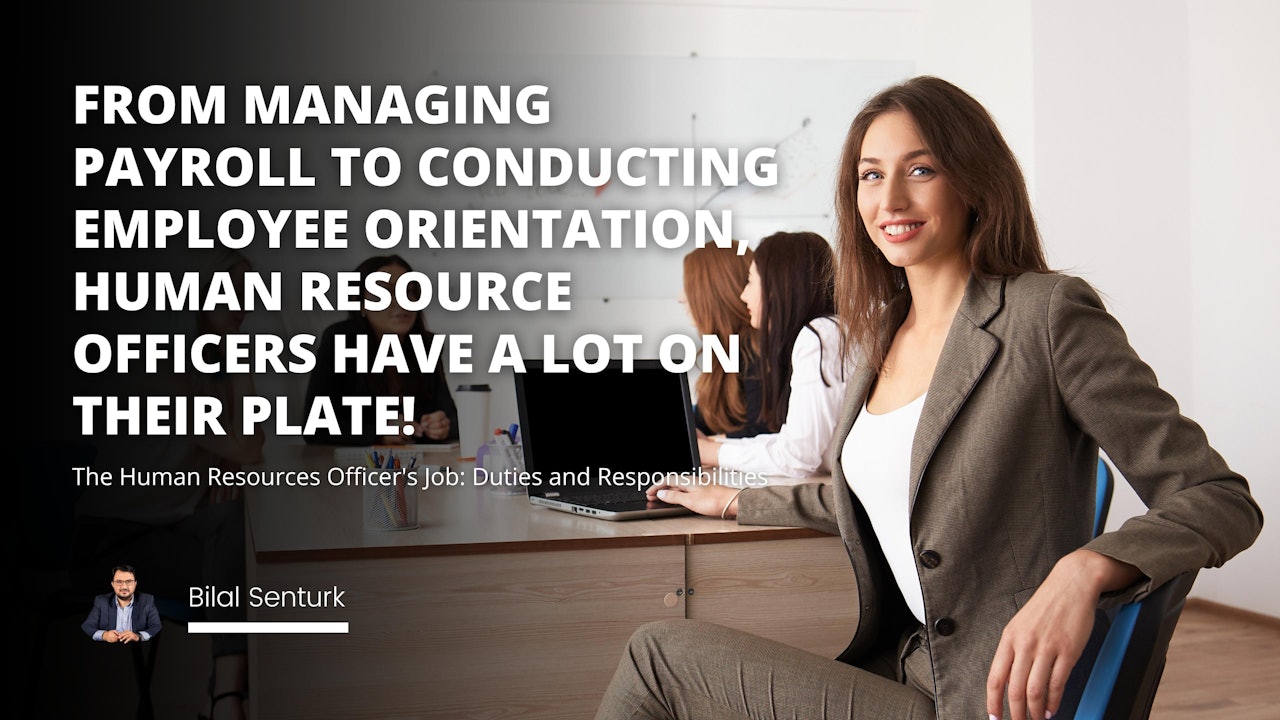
(199,44)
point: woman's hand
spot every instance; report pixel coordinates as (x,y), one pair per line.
(434,425)
(702,499)
(1042,643)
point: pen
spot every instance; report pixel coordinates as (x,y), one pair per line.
(402,502)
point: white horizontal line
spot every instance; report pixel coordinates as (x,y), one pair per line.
(262,628)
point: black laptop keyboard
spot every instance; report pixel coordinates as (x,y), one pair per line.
(609,498)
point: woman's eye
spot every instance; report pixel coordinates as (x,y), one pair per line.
(921,171)
(871,175)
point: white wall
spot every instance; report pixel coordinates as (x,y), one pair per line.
(985,47)
(1152,135)
(1234,100)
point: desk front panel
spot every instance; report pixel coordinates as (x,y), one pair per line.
(797,591)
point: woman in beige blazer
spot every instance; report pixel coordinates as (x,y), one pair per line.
(978,586)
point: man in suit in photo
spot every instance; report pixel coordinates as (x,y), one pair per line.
(123,615)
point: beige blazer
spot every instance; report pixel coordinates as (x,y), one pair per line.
(1033,377)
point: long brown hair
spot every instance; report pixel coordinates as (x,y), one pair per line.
(969,149)
(713,282)
(797,283)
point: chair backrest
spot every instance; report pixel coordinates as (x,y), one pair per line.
(1122,684)
(1104,487)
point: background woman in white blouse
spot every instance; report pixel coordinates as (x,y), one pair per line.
(790,297)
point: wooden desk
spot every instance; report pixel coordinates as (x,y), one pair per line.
(494,608)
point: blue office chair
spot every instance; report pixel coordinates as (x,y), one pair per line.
(1104,487)
(1122,684)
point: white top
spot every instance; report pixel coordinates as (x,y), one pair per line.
(802,446)
(877,465)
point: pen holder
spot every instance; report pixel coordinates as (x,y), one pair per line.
(390,507)
(503,464)
(389,500)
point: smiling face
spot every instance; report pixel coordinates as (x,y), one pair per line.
(394,320)
(751,295)
(912,213)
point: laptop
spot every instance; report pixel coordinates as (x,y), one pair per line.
(594,441)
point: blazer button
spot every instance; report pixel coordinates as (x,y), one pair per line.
(945,626)
(930,559)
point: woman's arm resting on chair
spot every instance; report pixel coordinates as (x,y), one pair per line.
(1042,643)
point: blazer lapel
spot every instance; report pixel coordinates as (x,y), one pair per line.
(965,356)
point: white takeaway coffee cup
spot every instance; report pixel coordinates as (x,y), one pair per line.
(473,418)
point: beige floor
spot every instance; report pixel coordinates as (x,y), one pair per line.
(1220,666)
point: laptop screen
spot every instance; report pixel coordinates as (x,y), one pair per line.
(640,421)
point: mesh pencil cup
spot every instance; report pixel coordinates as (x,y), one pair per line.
(390,507)
(388,500)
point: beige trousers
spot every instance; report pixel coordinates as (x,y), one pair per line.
(702,671)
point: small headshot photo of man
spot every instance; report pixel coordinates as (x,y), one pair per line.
(123,615)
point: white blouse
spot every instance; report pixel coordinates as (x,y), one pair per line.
(802,445)
(876,459)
